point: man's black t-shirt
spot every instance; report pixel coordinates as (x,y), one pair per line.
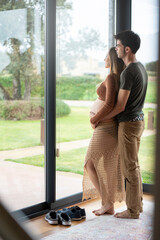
(135,79)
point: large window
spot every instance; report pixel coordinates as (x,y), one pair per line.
(83,38)
(146,25)
(21,103)
(84,34)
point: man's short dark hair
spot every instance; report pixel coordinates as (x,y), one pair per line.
(129,39)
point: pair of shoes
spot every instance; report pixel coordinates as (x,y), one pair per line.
(76,213)
(55,218)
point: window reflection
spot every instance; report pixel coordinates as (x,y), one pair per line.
(21,103)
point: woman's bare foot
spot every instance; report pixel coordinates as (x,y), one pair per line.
(124,214)
(109,209)
(95,210)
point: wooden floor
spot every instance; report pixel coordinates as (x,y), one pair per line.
(40,228)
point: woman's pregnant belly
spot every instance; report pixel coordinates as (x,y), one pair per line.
(97,105)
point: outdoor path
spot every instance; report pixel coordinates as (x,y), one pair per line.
(23,185)
(65,146)
(75,103)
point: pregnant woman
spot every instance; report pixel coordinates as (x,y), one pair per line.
(102,170)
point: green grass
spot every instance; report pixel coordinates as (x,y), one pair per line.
(22,134)
(19,134)
(73,160)
(147,158)
(69,161)
(76,126)
(151,96)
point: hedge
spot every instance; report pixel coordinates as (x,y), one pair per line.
(20,110)
(23,110)
(77,88)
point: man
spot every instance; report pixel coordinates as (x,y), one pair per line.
(130,101)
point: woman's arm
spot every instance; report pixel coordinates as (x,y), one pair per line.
(109,100)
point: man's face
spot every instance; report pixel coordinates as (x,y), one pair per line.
(120,49)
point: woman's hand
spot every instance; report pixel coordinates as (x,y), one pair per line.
(93,125)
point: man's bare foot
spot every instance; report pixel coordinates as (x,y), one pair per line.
(124,214)
(104,209)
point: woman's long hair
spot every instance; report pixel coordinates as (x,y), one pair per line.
(117,64)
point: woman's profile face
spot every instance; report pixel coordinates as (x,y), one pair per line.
(107,61)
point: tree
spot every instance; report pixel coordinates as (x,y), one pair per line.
(75,49)
(13,51)
(21,64)
(71,49)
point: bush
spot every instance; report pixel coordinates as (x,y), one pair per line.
(152,74)
(23,110)
(152,66)
(77,88)
(19,110)
(62,109)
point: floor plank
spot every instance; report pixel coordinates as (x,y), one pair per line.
(40,228)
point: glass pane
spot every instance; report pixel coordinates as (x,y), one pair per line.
(84,35)
(146,26)
(21,103)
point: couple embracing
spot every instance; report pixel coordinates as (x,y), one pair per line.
(118,122)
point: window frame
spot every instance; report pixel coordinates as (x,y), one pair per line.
(123,21)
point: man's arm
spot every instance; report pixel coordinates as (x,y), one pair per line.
(123,96)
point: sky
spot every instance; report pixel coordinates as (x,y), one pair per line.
(91,14)
(94,14)
(145,22)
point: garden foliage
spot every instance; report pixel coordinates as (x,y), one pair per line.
(77,88)
(33,109)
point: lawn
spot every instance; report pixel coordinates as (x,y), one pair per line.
(151,96)
(19,134)
(75,126)
(73,160)
(22,134)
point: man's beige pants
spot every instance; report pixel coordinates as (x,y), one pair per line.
(129,134)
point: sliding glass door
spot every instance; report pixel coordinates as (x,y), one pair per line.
(84,33)
(22,42)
